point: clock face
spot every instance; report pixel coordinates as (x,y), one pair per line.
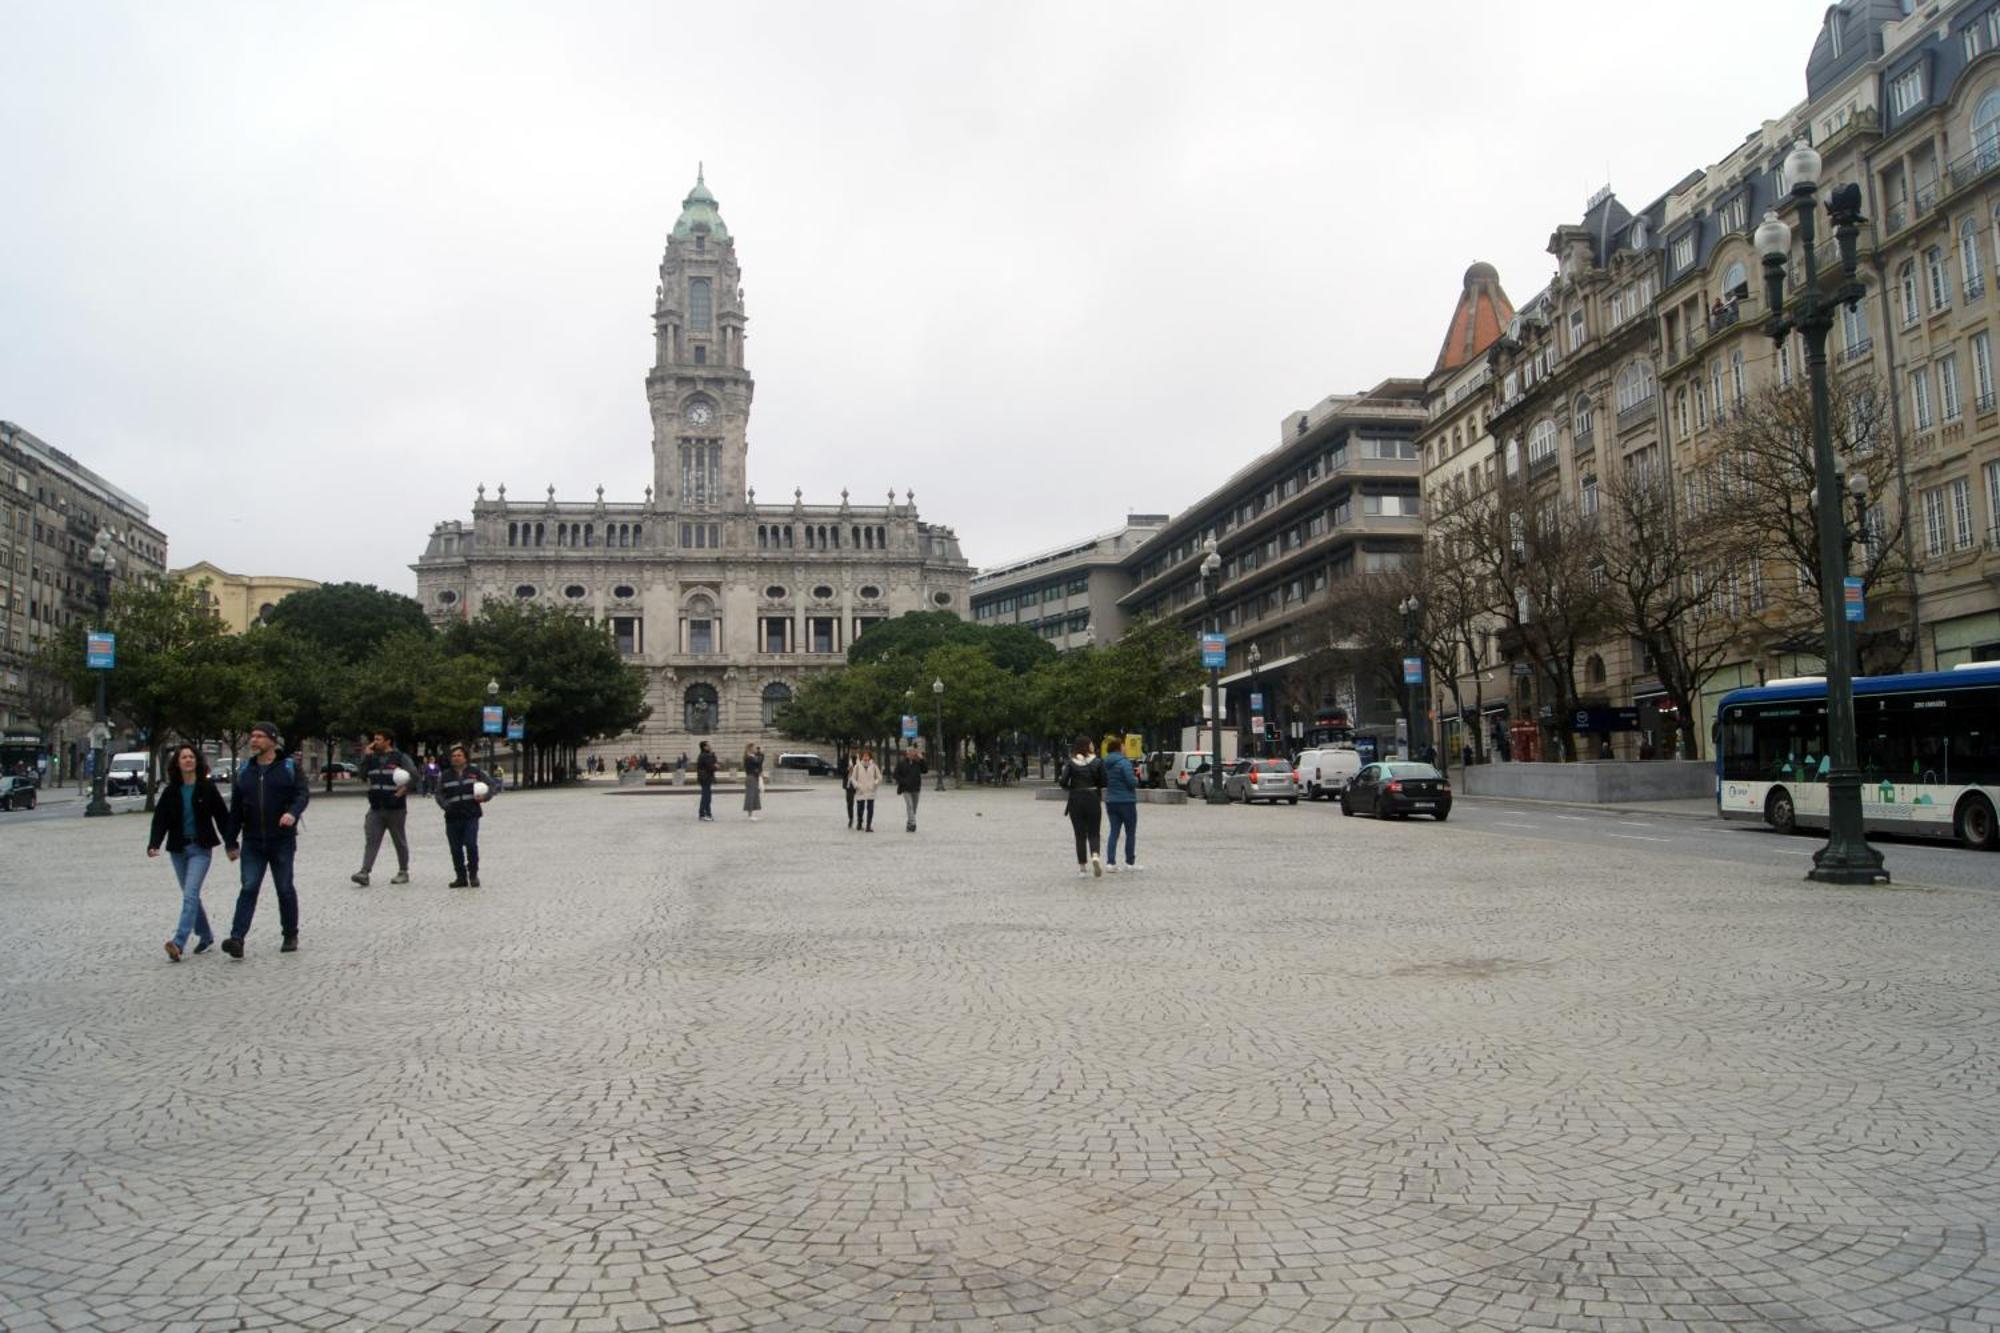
(701,414)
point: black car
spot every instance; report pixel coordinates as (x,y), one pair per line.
(810,764)
(1397,790)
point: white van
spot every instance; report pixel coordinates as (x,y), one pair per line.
(126,774)
(1324,774)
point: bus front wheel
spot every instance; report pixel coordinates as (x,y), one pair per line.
(1976,826)
(1779,813)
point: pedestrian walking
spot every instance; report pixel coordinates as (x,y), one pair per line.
(387,771)
(847,784)
(705,765)
(910,785)
(753,780)
(867,778)
(462,791)
(431,771)
(1083,778)
(192,820)
(266,802)
(1121,805)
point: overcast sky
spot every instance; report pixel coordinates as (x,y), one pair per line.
(299,276)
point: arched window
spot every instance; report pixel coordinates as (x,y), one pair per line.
(541,535)
(1986,130)
(1735,282)
(1594,670)
(1585,419)
(1513,457)
(1934,277)
(1971,264)
(1541,441)
(701,709)
(1737,388)
(1906,285)
(700,304)
(1635,385)
(513,534)
(776,696)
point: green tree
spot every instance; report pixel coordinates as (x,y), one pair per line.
(914,636)
(348,620)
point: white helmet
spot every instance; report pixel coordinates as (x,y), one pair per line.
(402,776)
(480,791)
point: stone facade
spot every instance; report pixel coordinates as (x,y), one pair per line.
(240,600)
(727,602)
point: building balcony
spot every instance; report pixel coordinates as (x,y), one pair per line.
(1543,466)
(1585,441)
(1975,166)
(1723,316)
(1638,412)
(1857,352)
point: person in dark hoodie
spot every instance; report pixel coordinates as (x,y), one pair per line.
(910,785)
(462,789)
(265,804)
(1083,778)
(192,820)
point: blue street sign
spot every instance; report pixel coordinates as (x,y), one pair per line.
(1413,671)
(1851,596)
(493,719)
(1256,702)
(100,650)
(1214,650)
(909,726)
(516,730)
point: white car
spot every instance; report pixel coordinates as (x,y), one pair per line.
(1324,774)
(126,774)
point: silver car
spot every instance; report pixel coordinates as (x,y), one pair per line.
(1270,780)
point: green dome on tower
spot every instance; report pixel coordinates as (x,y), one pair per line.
(698,213)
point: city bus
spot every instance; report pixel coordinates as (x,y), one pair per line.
(1928,745)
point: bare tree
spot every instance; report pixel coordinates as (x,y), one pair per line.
(1760,478)
(1674,586)
(1544,561)
(1460,604)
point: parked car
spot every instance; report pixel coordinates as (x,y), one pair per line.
(1252,780)
(1186,763)
(126,775)
(340,771)
(1325,773)
(809,764)
(17,793)
(1398,790)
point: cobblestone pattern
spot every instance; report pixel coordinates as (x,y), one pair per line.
(1302,1073)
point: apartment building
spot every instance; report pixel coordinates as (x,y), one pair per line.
(1069,594)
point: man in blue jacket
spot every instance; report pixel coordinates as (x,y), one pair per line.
(1121,804)
(266,801)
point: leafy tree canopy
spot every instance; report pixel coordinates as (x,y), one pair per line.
(348,620)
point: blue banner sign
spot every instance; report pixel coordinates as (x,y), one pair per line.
(100,650)
(1214,650)
(493,719)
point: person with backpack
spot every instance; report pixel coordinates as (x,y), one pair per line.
(1121,804)
(705,765)
(1083,778)
(387,771)
(266,802)
(462,790)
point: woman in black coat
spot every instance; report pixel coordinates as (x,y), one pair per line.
(192,820)
(1083,778)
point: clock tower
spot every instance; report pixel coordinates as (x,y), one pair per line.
(698,389)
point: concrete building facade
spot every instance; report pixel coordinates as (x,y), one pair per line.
(727,602)
(240,600)
(1069,594)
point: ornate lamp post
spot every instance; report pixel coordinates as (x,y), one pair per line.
(103,564)
(1211,583)
(492,697)
(1410,606)
(937,689)
(1847,858)
(1255,657)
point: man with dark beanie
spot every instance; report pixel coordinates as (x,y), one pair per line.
(266,801)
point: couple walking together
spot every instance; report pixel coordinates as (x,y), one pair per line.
(863,777)
(1084,776)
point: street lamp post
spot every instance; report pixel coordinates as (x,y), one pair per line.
(1211,584)
(1255,656)
(1410,606)
(103,564)
(1847,858)
(492,697)
(937,689)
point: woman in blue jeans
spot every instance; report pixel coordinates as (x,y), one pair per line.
(192,820)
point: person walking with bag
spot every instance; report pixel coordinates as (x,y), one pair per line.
(462,790)
(753,780)
(387,771)
(1083,778)
(268,799)
(910,785)
(867,778)
(192,820)
(1121,804)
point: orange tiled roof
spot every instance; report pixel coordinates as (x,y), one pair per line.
(1478,321)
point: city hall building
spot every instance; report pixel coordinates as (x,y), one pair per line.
(727,602)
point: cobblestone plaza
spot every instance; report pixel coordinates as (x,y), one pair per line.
(1301,1073)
